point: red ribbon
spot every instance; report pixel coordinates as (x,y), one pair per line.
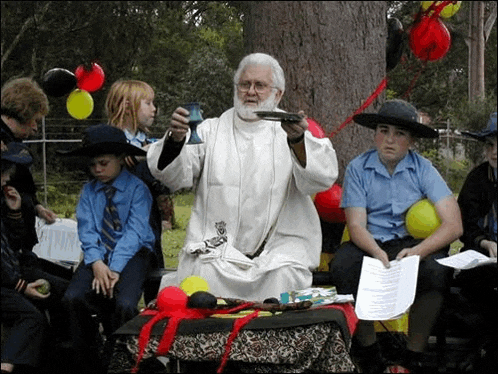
(175,317)
(381,87)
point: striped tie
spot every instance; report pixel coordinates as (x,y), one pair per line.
(111,222)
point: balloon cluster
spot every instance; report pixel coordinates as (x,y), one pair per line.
(87,78)
(429,38)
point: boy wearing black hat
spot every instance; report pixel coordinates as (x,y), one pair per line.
(379,187)
(478,203)
(117,241)
(477,199)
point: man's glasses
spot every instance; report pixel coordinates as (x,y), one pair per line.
(259,87)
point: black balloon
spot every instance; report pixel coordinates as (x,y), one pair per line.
(58,82)
(395,43)
(202,299)
(271,300)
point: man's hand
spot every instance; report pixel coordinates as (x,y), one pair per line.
(33,293)
(179,124)
(12,198)
(295,130)
(45,214)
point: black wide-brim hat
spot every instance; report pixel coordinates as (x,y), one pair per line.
(487,132)
(104,139)
(397,113)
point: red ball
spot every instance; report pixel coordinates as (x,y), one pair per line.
(327,204)
(430,40)
(172,299)
(90,80)
(315,128)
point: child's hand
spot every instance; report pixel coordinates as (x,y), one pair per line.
(102,277)
(33,293)
(45,214)
(114,280)
(12,198)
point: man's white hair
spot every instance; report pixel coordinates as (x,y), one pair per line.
(264,60)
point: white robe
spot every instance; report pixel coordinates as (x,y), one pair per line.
(246,175)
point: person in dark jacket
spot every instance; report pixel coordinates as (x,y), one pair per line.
(478,205)
(477,199)
(23,105)
(22,302)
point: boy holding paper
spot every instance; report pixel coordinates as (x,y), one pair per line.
(379,187)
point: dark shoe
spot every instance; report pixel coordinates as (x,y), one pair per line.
(416,362)
(367,359)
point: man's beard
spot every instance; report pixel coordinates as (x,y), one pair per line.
(247,113)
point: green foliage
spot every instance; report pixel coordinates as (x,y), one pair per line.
(473,116)
(60,201)
(186,50)
(453,172)
(439,87)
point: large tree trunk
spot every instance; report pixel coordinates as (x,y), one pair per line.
(476,50)
(333,56)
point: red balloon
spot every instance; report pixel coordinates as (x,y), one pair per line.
(327,204)
(172,299)
(430,40)
(90,80)
(315,128)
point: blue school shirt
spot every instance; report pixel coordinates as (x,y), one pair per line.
(386,198)
(133,202)
(138,140)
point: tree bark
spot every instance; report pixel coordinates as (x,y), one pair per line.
(333,56)
(476,50)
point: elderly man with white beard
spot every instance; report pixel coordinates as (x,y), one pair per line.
(254,232)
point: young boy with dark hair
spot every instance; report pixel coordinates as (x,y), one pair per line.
(117,242)
(22,300)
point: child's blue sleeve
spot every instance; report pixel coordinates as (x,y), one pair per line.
(137,232)
(88,232)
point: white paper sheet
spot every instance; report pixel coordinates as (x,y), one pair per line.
(467,260)
(386,293)
(58,242)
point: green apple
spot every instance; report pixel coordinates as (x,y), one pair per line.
(44,288)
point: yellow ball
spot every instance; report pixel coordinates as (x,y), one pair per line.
(79,104)
(448,11)
(422,219)
(193,284)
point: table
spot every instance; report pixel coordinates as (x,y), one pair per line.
(316,339)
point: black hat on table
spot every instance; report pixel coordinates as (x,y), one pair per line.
(397,113)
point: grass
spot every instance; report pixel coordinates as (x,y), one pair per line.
(172,240)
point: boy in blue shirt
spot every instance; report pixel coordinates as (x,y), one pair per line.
(117,242)
(379,187)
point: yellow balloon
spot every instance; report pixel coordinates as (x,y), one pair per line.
(79,104)
(422,219)
(193,284)
(448,11)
